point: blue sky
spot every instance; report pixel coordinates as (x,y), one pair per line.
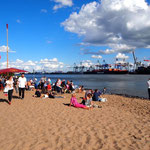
(36,31)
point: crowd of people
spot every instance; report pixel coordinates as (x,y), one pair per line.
(44,88)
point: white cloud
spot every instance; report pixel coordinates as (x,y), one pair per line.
(51,64)
(114,49)
(121,56)
(96,56)
(29,63)
(123,25)
(19,61)
(44,64)
(4,49)
(18,21)
(62,3)
(86,63)
(44,11)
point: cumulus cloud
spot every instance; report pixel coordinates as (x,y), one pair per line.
(62,3)
(122,25)
(43,10)
(49,65)
(3,48)
(86,63)
(121,56)
(96,56)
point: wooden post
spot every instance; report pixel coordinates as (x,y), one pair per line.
(7,44)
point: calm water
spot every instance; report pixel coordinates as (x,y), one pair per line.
(134,85)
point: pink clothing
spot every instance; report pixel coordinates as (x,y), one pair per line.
(67,85)
(74,102)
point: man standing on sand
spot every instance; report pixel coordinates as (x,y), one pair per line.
(22,84)
(149,88)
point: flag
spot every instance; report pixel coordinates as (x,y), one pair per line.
(0,57)
(7,26)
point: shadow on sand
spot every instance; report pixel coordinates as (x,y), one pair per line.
(4,101)
(66,104)
(16,97)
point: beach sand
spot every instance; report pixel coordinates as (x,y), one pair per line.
(50,124)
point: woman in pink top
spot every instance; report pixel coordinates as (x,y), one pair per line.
(73,101)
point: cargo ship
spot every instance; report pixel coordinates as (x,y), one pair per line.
(142,70)
(107,71)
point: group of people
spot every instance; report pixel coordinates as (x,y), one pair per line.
(46,85)
(87,102)
(44,88)
(10,83)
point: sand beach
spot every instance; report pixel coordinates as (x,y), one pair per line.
(50,124)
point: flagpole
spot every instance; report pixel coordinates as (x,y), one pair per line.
(7,44)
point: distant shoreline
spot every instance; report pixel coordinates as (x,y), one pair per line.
(130,96)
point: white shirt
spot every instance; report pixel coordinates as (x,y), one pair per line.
(148,84)
(22,82)
(58,83)
(9,84)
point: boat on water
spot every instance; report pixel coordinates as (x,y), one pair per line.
(142,70)
(116,71)
(107,71)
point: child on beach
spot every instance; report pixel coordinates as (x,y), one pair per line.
(73,101)
(88,102)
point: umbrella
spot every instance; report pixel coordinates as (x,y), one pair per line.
(11,70)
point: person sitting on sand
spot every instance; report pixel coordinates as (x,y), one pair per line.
(28,85)
(88,101)
(50,94)
(67,90)
(63,85)
(88,91)
(49,88)
(58,86)
(73,101)
(37,93)
(49,80)
(96,96)
(71,87)
(81,89)
(104,91)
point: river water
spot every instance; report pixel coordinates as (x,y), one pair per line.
(134,85)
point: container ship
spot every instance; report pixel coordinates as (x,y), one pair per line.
(107,71)
(102,69)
